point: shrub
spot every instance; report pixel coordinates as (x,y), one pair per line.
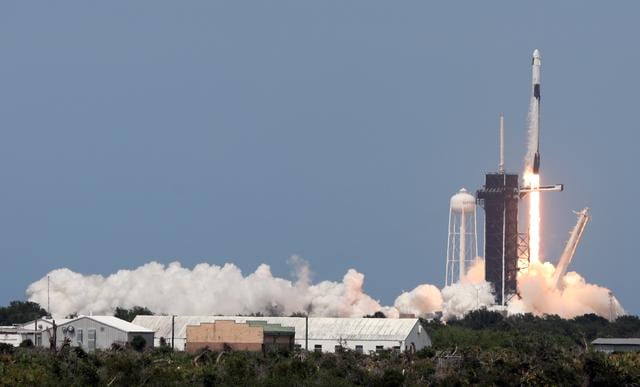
(6,348)
(426,353)
(392,378)
(138,343)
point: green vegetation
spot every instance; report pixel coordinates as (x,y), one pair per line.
(484,348)
(377,314)
(19,312)
(547,365)
(130,314)
(487,348)
(138,343)
(490,330)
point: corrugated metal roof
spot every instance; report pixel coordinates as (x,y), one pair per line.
(29,325)
(113,322)
(320,328)
(616,341)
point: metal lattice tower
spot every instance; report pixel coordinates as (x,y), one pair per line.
(462,241)
(499,197)
(523,251)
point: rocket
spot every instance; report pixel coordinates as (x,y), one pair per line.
(532,159)
(535,101)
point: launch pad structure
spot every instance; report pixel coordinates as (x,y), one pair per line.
(499,197)
(507,251)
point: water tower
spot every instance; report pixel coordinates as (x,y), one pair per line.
(462,243)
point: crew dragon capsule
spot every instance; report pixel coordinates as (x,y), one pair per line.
(535,81)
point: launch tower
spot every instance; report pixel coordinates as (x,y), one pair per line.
(499,198)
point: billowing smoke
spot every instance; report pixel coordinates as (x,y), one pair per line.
(421,301)
(224,290)
(573,297)
(470,293)
(461,298)
(205,289)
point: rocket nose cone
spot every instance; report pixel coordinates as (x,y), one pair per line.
(536,53)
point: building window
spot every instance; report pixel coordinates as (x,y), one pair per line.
(91,339)
(298,346)
(359,349)
(396,348)
(79,336)
(379,348)
(338,348)
(317,348)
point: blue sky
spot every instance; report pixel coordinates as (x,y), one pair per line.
(249,131)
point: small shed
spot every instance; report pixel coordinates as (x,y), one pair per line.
(610,345)
(100,332)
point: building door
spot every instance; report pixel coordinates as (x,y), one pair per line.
(91,339)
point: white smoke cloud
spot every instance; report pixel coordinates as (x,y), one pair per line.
(205,289)
(475,273)
(470,293)
(212,289)
(460,298)
(573,297)
(422,300)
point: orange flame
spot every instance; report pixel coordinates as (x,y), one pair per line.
(533,181)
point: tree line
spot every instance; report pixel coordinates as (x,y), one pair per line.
(483,348)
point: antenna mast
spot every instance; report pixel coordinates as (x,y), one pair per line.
(48,297)
(501,165)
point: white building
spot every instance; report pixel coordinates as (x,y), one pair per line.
(610,345)
(37,330)
(88,332)
(100,332)
(325,334)
(10,335)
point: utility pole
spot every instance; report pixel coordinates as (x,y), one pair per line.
(173,329)
(306,332)
(611,312)
(48,296)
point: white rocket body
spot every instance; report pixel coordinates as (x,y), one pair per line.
(533,159)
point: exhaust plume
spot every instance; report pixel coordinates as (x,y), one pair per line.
(223,290)
(205,289)
(572,297)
